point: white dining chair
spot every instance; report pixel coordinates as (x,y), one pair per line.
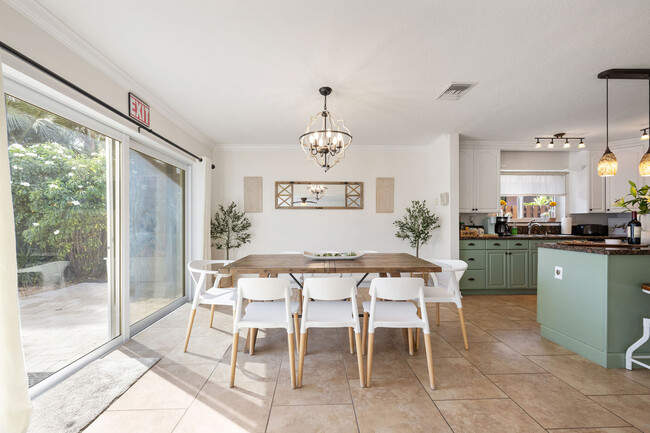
(443,287)
(330,303)
(264,314)
(199,271)
(397,311)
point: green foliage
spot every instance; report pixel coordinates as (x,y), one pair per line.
(59,198)
(540,200)
(229,229)
(417,226)
(639,201)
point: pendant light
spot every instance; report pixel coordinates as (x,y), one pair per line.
(608,165)
(644,165)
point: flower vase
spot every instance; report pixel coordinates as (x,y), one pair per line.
(645,229)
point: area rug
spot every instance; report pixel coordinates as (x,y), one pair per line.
(74,403)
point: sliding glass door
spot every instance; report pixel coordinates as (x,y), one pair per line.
(156,233)
(63,185)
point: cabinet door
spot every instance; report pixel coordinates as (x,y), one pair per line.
(596,184)
(496,264)
(628,169)
(533,269)
(517,269)
(466,180)
(487,179)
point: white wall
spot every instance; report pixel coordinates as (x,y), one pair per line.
(23,35)
(277,230)
(444,166)
(534,160)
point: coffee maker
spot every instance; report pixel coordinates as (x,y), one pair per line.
(501,227)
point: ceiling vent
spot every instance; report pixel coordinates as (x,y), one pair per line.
(455,90)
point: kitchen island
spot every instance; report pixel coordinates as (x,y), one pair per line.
(589,299)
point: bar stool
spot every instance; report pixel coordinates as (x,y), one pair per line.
(629,359)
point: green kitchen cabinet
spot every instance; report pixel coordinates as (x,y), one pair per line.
(517,262)
(533,268)
(497,269)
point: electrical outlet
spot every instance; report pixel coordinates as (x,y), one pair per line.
(558,272)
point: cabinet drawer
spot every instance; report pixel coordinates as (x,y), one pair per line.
(517,244)
(497,244)
(473,279)
(472,244)
(475,259)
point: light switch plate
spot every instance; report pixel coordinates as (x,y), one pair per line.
(558,272)
(444,199)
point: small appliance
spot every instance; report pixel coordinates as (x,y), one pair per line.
(501,227)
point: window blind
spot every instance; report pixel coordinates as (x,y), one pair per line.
(533,184)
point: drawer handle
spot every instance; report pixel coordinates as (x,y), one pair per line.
(496,244)
(471,244)
(470,279)
(471,259)
(518,244)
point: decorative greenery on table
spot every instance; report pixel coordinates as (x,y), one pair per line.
(417,226)
(639,200)
(350,254)
(229,229)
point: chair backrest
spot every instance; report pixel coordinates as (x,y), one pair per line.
(198,270)
(396,289)
(263,289)
(330,289)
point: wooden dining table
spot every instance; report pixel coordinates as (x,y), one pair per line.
(380,263)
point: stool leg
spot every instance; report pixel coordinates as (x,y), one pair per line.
(645,337)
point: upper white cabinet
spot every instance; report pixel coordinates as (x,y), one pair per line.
(592,193)
(479,180)
(628,169)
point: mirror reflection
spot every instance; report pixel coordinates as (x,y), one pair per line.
(318,195)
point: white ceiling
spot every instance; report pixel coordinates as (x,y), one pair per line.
(248,72)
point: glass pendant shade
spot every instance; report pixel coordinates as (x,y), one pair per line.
(608,165)
(644,136)
(326,137)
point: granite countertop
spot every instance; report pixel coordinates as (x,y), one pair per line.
(540,237)
(609,251)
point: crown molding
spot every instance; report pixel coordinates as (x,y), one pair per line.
(60,31)
(292,147)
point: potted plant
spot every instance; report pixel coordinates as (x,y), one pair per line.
(638,200)
(229,229)
(417,226)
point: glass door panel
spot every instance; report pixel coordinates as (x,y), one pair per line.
(156,234)
(62,182)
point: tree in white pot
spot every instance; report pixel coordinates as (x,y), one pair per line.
(418,225)
(229,229)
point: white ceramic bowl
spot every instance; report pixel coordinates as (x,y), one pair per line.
(613,241)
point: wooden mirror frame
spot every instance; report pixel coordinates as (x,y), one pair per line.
(284,195)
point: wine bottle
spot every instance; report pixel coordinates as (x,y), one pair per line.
(634,230)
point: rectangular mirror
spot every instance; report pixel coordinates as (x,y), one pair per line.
(318,195)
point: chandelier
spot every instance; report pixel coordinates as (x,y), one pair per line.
(326,138)
(559,136)
(317,191)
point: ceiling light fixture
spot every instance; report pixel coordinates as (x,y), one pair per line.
(608,165)
(644,135)
(327,145)
(559,136)
(317,191)
(644,164)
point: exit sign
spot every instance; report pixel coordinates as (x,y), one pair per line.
(138,110)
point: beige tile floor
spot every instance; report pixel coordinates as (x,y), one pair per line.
(511,380)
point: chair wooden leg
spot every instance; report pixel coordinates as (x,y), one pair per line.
(212,314)
(357,338)
(417,332)
(351,340)
(405,334)
(461,316)
(371,343)
(296,329)
(427,346)
(410,337)
(306,340)
(301,357)
(233,360)
(364,334)
(292,359)
(189,330)
(299,303)
(251,348)
(438,314)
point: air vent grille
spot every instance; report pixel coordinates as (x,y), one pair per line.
(455,90)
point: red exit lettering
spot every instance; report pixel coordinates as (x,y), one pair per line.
(138,110)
